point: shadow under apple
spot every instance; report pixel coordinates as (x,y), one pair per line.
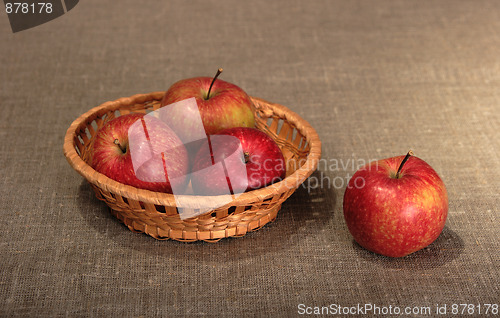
(306,211)
(447,247)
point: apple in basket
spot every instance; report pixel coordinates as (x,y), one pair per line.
(221,105)
(141,151)
(248,158)
(395,206)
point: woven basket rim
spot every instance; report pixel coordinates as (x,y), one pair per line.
(158,198)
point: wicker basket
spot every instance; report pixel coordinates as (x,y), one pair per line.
(156,213)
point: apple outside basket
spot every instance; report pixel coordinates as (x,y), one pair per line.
(156,213)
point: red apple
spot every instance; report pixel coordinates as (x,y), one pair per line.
(141,151)
(395,206)
(237,160)
(221,105)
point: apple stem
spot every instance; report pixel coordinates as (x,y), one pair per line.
(117,142)
(246,155)
(213,80)
(408,155)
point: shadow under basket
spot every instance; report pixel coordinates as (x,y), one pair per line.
(156,214)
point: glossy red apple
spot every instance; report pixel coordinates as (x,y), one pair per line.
(395,206)
(141,151)
(221,105)
(237,160)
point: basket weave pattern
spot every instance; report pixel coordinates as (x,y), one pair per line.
(156,213)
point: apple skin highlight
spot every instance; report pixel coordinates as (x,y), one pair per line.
(395,216)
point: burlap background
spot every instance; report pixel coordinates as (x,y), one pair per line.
(375,78)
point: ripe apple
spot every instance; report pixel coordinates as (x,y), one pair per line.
(237,160)
(221,105)
(395,206)
(141,151)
